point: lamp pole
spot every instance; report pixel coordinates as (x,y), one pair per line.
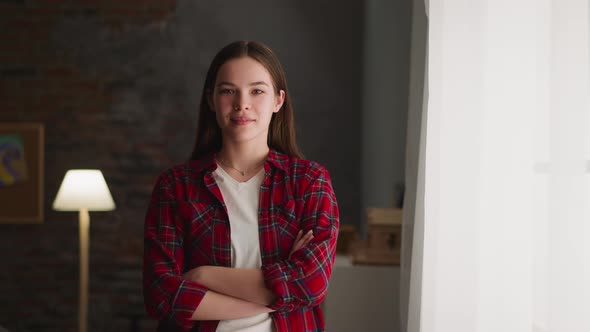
(84,218)
(83,190)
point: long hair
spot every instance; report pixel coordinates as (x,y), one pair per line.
(281,132)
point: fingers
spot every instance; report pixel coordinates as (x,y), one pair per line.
(298,241)
(308,236)
(301,241)
(299,234)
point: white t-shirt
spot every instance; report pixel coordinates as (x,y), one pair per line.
(241,199)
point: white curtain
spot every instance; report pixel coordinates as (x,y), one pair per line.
(502,226)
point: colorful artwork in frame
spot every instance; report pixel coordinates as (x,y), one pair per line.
(13,165)
(21,172)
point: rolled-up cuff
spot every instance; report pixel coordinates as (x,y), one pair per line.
(276,278)
(185,302)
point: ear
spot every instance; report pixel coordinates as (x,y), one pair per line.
(280,100)
(209,96)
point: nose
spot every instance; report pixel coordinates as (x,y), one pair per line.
(242,102)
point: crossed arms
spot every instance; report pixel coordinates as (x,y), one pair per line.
(235,293)
(299,281)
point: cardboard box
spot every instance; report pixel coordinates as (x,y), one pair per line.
(346,236)
(383,246)
(384,216)
(370,256)
(385,237)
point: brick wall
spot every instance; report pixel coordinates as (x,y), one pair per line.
(116,84)
(90,121)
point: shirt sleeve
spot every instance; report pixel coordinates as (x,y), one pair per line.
(302,280)
(167,296)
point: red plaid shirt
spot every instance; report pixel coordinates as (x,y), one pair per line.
(187,226)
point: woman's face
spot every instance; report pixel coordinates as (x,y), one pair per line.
(244,100)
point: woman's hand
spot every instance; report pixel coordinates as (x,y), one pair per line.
(301,241)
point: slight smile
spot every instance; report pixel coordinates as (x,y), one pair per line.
(241,121)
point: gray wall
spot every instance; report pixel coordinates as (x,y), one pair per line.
(385,100)
(413,231)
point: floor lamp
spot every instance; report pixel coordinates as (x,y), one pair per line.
(83,191)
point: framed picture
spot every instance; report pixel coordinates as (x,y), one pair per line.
(21,172)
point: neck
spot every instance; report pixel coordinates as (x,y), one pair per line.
(243,156)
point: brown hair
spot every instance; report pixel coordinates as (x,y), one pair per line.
(281,132)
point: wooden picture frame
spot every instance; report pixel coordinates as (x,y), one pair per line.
(22,202)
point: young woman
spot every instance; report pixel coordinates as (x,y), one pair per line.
(242,237)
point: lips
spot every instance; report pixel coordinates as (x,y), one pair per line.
(241,120)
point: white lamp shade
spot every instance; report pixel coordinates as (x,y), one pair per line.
(84,189)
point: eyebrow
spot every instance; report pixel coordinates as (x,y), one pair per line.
(251,84)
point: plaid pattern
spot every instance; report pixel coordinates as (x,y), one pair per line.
(187,226)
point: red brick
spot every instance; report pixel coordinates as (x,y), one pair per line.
(123,12)
(10,10)
(61,72)
(26,36)
(48,100)
(55,2)
(15,22)
(43,11)
(8,6)
(36,85)
(159,14)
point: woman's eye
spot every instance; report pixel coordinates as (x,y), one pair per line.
(226,92)
(257,91)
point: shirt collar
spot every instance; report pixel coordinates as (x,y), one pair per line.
(274,158)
